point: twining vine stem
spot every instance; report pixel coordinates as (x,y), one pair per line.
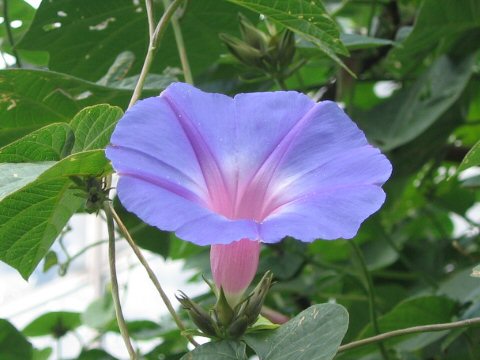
(113,278)
(151,274)
(155,38)
(371,296)
(410,330)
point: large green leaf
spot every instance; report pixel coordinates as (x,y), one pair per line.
(13,345)
(437,21)
(93,126)
(409,112)
(87,40)
(31,99)
(308,19)
(50,143)
(314,334)
(55,324)
(34,215)
(219,350)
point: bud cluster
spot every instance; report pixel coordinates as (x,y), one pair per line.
(223,321)
(271,52)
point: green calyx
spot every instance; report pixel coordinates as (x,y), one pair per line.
(94,190)
(223,322)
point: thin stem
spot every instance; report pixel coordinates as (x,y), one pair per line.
(371,296)
(150,272)
(410,330)
(9,33)
(152,47)
(150,17)
(372,15)
(182,52)
(113,275)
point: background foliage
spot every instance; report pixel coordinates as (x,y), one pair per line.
(416,94)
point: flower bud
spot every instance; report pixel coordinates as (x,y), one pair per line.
(234,266)
(199,315)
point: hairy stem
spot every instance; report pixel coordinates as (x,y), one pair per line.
(182,51)
(410,330)
(150,272)
(152,48)
(8,30)
(371,296)
(113,276)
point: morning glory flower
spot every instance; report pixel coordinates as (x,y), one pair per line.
(234,172)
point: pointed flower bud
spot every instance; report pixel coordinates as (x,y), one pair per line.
(234,266)
(198,314)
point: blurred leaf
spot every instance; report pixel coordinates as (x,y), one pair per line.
(476,271)
(13,345)
(314,334)
(360,42)
(460,286)
(146,236)
(86,41)
(50,143)
(30,99)
(472,158)
(308,19)
(55,324)
(139,329)
(50,261)
(95,354)
(221,350)
(42,354)
(93,126)
(437,21)
(100,313)
(409,112)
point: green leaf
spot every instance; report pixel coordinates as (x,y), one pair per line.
(471,159)
(437,21)
(221,350)
(13,345)
(93,126)
(308,19)
(409,112)
(33,216)
(16,176)
(360,42)
(94,33)
(42,354)
(139,329)
(55,324)
(100,313)
(146,236)
(414,312)
(50,260)
(31,99)
(50,143)
(314,334)
(95,354)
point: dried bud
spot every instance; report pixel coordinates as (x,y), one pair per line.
(198,314)
(256,299)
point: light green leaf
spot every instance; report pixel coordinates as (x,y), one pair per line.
(33,216)
(472,158)
(476,271)
(314,334)
(16,176)
(93,126)
(100,313)
(308,19)
(55,324)
(50,143)
(409,112)
(218,350)
(13,345)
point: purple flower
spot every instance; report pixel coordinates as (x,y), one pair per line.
(258,166)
